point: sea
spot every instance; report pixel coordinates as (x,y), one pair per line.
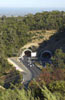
(24,11)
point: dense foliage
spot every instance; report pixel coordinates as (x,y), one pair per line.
(13,30)
(17,94)
(45,20)
(14,34)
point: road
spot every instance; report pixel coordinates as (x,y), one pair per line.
(29,69)
(27,76)
(35,71)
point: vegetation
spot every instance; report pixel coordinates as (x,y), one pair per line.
(14,33)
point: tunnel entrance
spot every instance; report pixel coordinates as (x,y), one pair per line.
(46,55)
(27,53)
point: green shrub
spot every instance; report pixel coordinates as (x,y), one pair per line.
(57,86)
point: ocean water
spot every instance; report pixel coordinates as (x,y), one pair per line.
(24,11)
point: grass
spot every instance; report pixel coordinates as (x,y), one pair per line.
(41,34)
(38,36)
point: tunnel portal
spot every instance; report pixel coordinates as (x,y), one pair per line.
(46,54)
(27,53)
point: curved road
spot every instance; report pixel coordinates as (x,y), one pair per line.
(27,76)
(29,71)
(35,71)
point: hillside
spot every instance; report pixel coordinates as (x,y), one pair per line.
(45,31)
(56,41)
(38,36)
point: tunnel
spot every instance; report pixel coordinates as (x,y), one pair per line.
(27,53)
(46,54)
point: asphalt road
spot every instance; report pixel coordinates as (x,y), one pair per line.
(35,71)
(27,76)
(30,70)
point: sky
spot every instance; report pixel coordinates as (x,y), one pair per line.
(33,3)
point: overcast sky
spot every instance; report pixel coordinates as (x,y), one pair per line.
(33,3)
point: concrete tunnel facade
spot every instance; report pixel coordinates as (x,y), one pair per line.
(28,53)
(46,54)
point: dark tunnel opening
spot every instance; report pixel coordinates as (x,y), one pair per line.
(46,55)
(28,53)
